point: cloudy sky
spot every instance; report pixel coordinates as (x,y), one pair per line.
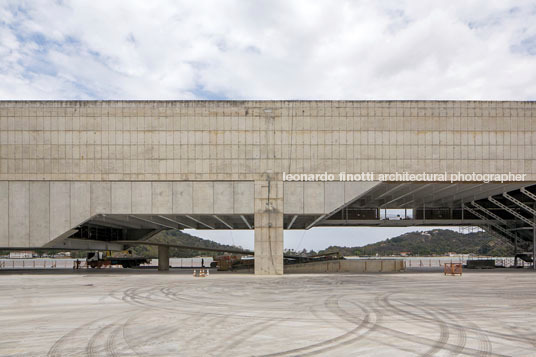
(269,50)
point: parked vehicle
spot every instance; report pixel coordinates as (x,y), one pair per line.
(100,259)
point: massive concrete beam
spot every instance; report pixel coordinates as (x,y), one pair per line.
(33,213)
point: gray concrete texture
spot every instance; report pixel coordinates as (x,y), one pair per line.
(481,314)
(34,213)
(348,266)
(242,140)
(103,157)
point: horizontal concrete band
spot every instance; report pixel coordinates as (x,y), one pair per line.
(34,212)
(226,140)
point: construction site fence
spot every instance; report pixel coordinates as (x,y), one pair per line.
(70,263)
(504,262)
(195,263)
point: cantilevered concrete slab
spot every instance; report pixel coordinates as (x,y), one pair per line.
(77,172)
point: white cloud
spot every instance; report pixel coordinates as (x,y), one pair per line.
(268,50)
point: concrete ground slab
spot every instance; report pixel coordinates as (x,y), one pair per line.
(142,313)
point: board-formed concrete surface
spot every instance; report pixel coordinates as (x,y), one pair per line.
(90,174)
(482,313)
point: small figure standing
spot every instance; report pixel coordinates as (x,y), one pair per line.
(202,263)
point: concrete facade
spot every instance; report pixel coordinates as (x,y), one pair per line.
(34,213)
(64,162)
(190,141)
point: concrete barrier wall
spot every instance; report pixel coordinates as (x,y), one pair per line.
(348,266)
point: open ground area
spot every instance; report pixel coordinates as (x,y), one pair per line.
(145,313)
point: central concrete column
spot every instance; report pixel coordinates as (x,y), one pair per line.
(163,258)
(268,227)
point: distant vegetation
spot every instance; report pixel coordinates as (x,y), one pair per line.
(179,237)
(172,237)
(434,242)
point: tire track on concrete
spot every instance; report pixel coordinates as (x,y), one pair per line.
(134,299)
(55,350)
(243,335)
(435,321)
(485,334)
(460,327)
(461,334)
(484,343)
(335,342)
(427,341)
(91,347)
(111,342)
(138,341)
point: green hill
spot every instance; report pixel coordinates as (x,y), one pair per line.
(434,242)
(179,237)
(171,237)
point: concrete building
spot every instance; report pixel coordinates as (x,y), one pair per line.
(90,174)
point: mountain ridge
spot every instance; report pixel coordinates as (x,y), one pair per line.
(433,242)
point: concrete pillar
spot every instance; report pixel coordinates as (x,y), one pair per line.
(163,258)
(268,227)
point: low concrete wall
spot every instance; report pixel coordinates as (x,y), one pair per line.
(348,266)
